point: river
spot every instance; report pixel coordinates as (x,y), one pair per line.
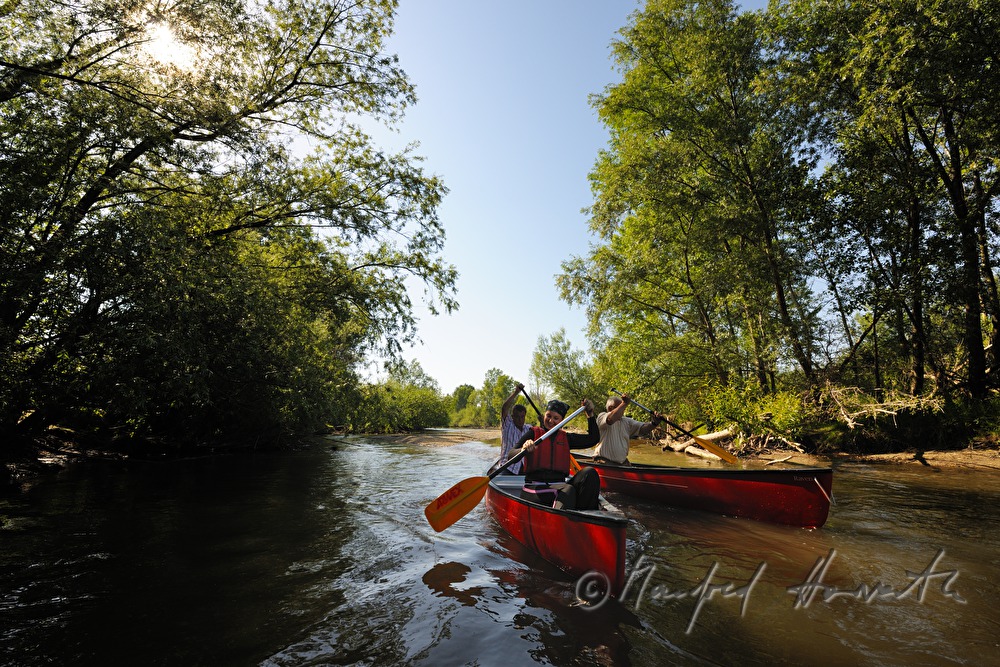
(322,556)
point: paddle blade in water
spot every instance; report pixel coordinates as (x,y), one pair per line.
(456,502)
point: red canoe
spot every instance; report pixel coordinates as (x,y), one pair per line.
(799,496)
(579,542)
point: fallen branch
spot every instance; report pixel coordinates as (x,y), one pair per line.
(854,405)
(725,434)
(695,450)
(744,446)
(673,446)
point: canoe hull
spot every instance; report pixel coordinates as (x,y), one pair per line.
(576,542)
(792,496)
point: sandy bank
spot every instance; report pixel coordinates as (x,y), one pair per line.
(973,458)
(979,458)
(445,437)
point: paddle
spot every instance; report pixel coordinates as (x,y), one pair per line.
(538,412)
(706,444)
(459,500)
(574,465)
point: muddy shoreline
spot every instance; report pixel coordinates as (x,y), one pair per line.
(445,437)
(983,457)
(969,457)
(979,458)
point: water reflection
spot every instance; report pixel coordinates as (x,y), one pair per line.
(444,578)
(880,533)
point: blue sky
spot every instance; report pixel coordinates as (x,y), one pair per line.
(502,117)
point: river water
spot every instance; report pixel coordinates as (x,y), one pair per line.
(323,557)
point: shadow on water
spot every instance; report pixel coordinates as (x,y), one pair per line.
(323,557)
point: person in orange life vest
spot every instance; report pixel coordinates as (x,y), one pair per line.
(546,466)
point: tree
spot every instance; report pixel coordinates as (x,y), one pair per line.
(918,78)
(471,414)
(566,371)
(158,234)
(701,277)
(497,386)
(412,374)
(461,395)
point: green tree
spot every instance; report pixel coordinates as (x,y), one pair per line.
(915,81)
(409,400)
(162,268)
(412,374)
(701,276)
(418,408)
(471,414)
(565,370)
(497,386)
(462,395)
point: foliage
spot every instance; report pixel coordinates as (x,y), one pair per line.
(792,199)
(496,387)
(564,370)
(462,396)
(412,374)
(701,276)
(468,417)
(171,267)
(907,98)
(419,408)
(754,412)
(480,408)
(408,401)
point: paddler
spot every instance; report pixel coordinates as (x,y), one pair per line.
(546,467)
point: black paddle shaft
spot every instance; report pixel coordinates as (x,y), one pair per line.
(532,403)
(643,407)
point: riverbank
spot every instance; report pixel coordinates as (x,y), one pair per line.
(973,457)
(969,457)
(444,437)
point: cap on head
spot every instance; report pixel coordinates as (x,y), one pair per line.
(558,406)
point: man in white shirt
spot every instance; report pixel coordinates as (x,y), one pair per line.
(512,428)
(616,430)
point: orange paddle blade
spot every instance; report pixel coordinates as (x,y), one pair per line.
(456,502)
(715,449)
(574,465)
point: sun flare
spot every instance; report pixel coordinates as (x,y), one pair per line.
(163,46)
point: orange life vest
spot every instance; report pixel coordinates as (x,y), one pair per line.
(550,454)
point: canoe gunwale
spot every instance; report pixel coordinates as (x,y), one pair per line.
(702,471)
(610,518)
(799,496)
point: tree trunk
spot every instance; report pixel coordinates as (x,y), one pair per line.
(951,175)
(990,295)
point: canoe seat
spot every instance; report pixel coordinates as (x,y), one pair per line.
(508,482)
(541,493)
